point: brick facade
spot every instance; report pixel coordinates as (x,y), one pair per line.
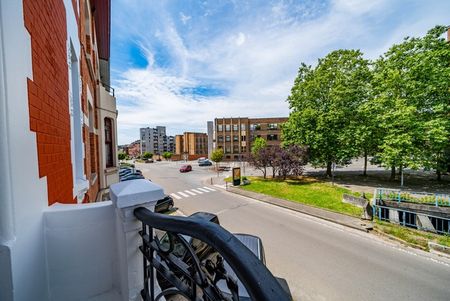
(235,135)
(48,95)
(48,102)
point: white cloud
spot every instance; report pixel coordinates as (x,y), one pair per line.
(184,19)
(254,61)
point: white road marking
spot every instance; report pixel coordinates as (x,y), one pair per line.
(197,191)
(175,196)
(220,186)
(210,189)
(190,192)
(183,194)
(204,190)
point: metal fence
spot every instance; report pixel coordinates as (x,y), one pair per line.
(410,219)
(435,199)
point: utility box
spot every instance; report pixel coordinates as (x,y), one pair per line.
(236,176)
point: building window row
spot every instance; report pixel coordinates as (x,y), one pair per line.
(272,137)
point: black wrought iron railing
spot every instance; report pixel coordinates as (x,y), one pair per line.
(192,258)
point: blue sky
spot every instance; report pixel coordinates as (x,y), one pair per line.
(181,63)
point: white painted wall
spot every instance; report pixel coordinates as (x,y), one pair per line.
(26,197)
(81,250)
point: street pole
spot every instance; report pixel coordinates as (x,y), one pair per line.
(333,166)
(401,177)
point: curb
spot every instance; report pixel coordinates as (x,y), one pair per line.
(403,242)
(238,191)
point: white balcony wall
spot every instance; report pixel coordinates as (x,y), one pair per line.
(81,251)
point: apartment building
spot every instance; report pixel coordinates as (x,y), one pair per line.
(235,135)
(155,140)
(191,146)
(133,149)
(58,137)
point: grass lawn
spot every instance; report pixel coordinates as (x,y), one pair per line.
(306,191)
(409,235)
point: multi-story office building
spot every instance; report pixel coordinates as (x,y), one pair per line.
(191,146)
(155,140)
(235,135)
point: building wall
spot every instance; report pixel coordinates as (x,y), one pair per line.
(192,145)
(154,140)
(37,151)
(49,103)
(235,135)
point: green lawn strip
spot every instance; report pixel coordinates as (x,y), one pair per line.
(306,191)
(412,236)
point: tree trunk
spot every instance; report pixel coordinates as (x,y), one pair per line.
(438,173)
(329,164)
(264,172)
(365,164)
(392,178)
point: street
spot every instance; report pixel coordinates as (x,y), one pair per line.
(320,260)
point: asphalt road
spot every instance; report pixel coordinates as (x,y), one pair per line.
(320,260)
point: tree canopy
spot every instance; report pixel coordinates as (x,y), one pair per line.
(323,103)
(397,107)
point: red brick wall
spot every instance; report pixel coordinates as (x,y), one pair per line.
(48,95)
(88,78)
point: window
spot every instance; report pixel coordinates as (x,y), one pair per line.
(109,154)
(235,138)
(219,127)
(228,150)
(235,127)
(227,138)
(243,138)
(243,149)
(272,126)
(77,141)
(92,149)
(220,138)
(235,149)
(227,127)
(255,127)
(242,126)
(272,137)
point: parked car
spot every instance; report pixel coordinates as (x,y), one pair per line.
(186,168)
(164,204)
(131,176)
(206,253)
(149,161)
(201,159)
(125,171)
(205,162)
(159,160)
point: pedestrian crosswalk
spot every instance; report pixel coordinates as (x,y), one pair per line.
(192,192)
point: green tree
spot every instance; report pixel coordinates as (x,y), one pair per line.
(411,98)
(122,156)
(323,103)
(217,156)
(258,144)
(167,155)
(147,155)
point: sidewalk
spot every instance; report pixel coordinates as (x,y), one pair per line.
(334,217)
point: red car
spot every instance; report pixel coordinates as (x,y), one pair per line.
(186,168)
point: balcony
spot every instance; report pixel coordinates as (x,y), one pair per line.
(113,250)
(107,99)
